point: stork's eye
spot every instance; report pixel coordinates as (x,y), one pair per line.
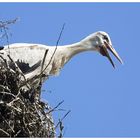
(106,38)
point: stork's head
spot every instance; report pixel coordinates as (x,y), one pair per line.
(101,42)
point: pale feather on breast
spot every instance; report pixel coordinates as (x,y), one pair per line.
(57,64)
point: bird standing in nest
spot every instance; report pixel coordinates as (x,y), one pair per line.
(31,61)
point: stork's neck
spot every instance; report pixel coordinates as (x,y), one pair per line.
(79,47)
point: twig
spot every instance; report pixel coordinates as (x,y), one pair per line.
(5,88)
(62,118)
(7,93)
(5,23)
(36,76)
(61,127)
(43,63)
(4,60)
(14,108)
(55,47)
(4,132)
(4,28)
(17,133)
(6,122)
(55,107)
(11,103)
(25,125)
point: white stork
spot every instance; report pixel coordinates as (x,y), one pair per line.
(29,57)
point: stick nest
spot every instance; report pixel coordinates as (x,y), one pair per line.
(22,114)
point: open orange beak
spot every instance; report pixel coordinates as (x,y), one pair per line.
(104,51)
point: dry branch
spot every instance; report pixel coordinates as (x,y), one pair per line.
(21,114)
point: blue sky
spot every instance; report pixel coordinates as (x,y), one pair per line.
(104,102)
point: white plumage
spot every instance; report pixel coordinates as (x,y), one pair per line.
(29,57)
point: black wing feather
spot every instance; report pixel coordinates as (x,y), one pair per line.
(25,67)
